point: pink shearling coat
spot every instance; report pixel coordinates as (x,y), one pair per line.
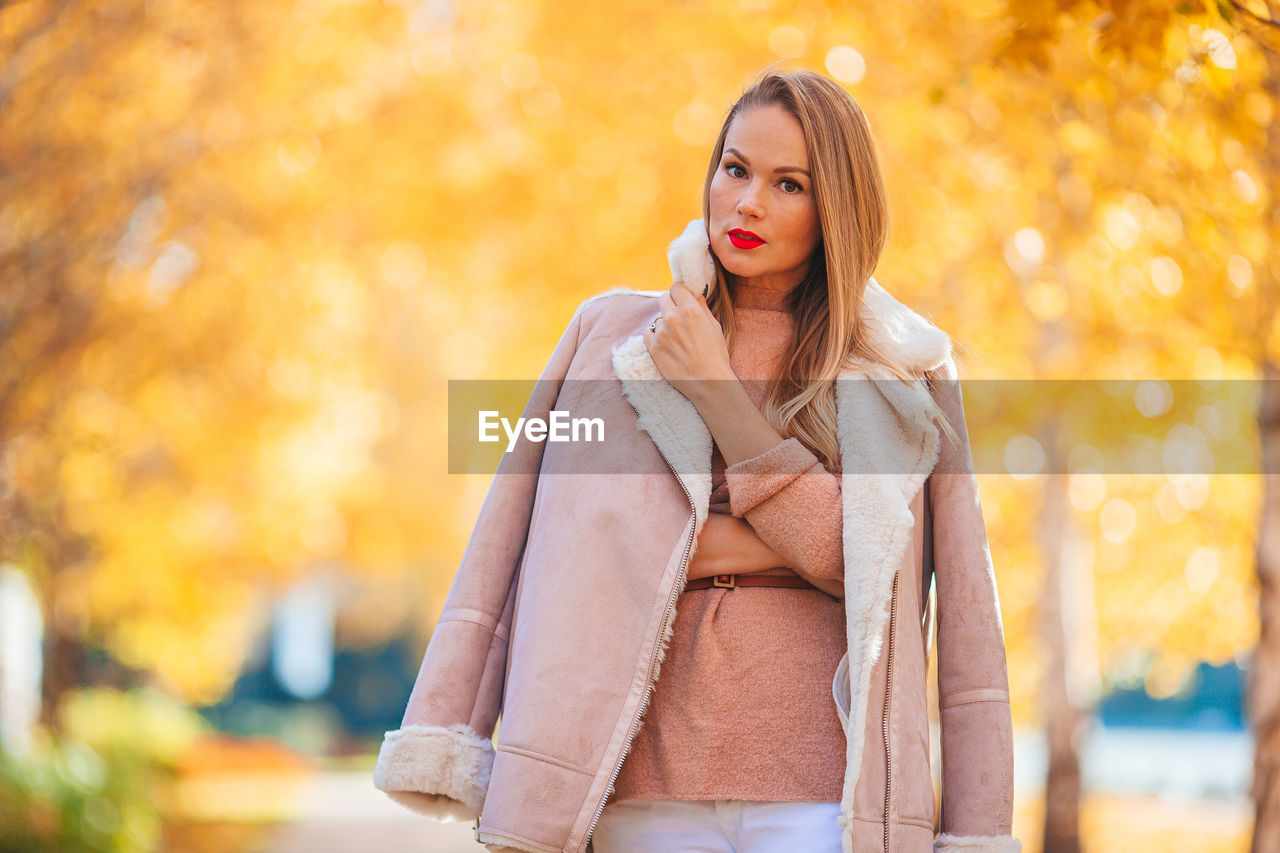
(560,611)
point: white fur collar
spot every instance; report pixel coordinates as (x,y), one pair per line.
(888,445)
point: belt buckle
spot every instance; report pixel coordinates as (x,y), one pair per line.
(723,581)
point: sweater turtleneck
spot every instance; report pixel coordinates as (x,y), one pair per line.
(763,334)
(753,297)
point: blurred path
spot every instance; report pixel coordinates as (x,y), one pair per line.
(344,813)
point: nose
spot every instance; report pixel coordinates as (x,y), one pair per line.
(750,202)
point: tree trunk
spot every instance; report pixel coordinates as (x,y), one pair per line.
(1263,692)
(62,668)
(1264,674)
(1064,721)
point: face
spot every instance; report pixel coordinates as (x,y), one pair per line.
(763,188)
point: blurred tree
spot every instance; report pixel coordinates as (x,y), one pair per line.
(1258,28)
(174,396)
(1164,86)
(1090,136)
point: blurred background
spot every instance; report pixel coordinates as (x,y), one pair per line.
(244,246)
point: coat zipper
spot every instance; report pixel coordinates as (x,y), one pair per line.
(888,691)
(666,617)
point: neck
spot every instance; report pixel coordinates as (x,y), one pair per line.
(746,294)
(780,286)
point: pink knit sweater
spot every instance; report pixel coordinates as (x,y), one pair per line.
(742,708)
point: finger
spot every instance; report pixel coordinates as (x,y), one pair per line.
(686,296)
(666,305)
(683,294)
(680,294)
(705,288)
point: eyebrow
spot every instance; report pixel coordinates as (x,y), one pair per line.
(735,152)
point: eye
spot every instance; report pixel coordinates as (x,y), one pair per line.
(790,187)
(730,167)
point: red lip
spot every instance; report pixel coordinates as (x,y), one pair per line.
(744,239)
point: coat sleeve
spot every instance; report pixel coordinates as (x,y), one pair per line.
(973,681)
(437,763)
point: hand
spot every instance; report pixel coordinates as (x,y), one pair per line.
(688,345)
(730,545)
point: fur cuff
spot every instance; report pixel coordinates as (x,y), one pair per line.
(945,843)
(502,844)
(438,771)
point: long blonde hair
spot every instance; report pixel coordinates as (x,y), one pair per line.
(853,216)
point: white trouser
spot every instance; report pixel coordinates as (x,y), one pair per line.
(717,826)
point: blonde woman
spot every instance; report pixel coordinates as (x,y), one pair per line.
(723,646)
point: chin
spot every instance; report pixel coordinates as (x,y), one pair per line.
(739,271)
(734,263)
(744,270)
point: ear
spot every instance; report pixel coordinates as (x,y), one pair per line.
(690,258)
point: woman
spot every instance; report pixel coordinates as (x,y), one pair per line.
(780,502)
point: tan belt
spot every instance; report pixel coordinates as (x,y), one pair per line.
(730,581)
